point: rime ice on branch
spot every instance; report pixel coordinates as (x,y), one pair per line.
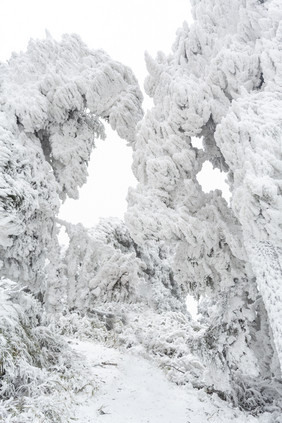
(52,98)
(104,265)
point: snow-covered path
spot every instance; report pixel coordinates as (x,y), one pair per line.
(132,390)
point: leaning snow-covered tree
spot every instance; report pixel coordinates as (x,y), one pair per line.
(104,265)
(51,101)
(222,84)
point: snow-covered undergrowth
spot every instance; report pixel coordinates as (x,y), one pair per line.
(173,342)
(39,373)
(125,296)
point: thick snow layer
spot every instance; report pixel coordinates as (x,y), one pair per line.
(134,390)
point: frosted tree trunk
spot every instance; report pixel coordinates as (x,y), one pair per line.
(265,261)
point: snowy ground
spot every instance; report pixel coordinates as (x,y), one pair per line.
(133,390)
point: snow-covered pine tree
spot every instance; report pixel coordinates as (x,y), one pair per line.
(220,85)
(52,98)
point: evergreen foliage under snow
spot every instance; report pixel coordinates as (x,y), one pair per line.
(39,373)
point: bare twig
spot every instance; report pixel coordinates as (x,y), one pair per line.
(107,363)
(170,365)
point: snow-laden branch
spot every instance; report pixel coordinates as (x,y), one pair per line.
(52,98)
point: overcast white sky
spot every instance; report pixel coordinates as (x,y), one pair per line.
(125,29)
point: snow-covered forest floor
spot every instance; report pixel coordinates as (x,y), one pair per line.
(93,368)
